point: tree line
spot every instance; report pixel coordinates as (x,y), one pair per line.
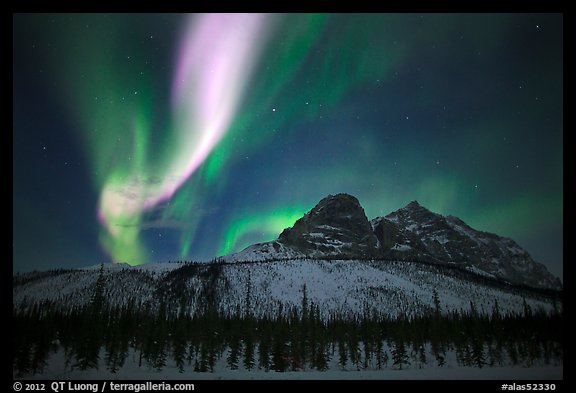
(103,335)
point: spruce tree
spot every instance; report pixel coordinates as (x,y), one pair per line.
(399,354)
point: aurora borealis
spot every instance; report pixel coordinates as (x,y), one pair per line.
(155,137)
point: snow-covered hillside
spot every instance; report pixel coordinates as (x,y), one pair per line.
(347,288)
(279,315)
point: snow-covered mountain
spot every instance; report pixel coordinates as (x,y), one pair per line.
(435,238)
(391,266)
(337,227)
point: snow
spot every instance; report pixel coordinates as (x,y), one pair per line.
(58,370)
(329,227)
(515,250)
(108,266)
(412,227)
(158,267)
(347,288)
(262,252)
(401,247)
(469,233)
(440,238)
(344,287)
(393,218)
(474,269)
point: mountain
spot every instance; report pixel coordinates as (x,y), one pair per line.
(422,287)
(431,237)
(391,266)
(337,227)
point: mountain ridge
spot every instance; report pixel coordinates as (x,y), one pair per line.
(337,227)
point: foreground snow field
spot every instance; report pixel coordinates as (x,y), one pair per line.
(57,370)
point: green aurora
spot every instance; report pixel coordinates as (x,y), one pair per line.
(460,112)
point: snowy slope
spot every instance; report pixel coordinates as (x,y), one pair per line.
(347,288)
(350,287)
(273,250)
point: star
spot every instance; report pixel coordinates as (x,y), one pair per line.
(321,150)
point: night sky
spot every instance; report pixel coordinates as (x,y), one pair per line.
(144,138)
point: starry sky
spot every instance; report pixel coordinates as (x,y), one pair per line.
(153,137)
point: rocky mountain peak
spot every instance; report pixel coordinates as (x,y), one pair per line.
(413,208)
(413,205)
(337,204)
(337,225)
